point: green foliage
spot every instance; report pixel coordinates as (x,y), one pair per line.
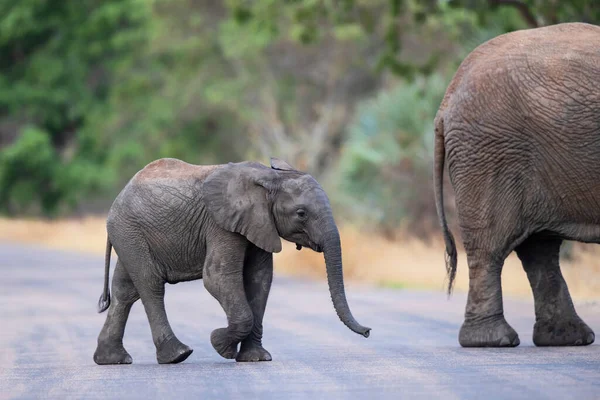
(385,167)
(27,172)
(56,57)
(174,99)
(56,70)
(534,12)
(110,86)
(34,177)
(310,21)
(91,91)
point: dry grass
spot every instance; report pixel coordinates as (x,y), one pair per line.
(409,263)
(85,234)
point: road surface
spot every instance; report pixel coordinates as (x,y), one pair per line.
(49,326)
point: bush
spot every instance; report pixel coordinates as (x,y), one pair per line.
(27,171)
(385,169)
(34,179)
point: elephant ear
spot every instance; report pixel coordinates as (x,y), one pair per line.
(281,165)
(236,196)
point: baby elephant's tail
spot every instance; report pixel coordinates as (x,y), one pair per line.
(104,300)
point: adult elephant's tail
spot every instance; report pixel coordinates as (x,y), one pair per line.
(104,300)
(438,186)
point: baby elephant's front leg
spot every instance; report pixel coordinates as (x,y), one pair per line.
(223,278)
(258,274)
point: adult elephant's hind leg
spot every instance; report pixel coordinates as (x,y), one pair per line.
(258,275)
(485,325)
(110,348)
(556,322)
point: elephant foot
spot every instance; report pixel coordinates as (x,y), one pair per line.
(222,343)
(253,353)
(490,332)
(172,351)
(569,332)
(110,354)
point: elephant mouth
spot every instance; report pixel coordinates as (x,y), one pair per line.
(313,246)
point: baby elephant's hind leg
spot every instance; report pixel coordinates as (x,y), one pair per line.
(169,350)
(110,348)
(557,323)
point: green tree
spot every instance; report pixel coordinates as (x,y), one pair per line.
(102,88)
(537,13)
(175,98)
(57,67)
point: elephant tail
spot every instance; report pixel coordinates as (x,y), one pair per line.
(104,300)
(438,179)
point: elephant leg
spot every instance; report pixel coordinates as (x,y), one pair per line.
(484,324)
(110,348)
(258,275)
(169,350)
(224,280)
(556,322)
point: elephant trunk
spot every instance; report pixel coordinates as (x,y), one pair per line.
(333,261)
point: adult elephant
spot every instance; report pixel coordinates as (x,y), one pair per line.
(519,127)
(177,222)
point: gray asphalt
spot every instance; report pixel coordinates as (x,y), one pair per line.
(49,327)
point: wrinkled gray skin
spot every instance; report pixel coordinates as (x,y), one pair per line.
(520,129)
(176,222)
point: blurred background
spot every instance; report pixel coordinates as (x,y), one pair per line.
(347,90)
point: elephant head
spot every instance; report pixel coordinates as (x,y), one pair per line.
(264,204)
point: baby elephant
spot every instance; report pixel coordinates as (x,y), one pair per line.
(176,222)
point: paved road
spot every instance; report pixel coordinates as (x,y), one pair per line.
(48,330)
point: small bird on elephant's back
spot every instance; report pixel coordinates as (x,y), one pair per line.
(176,222)
(519,128)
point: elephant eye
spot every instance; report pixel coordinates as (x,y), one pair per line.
(301,213)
